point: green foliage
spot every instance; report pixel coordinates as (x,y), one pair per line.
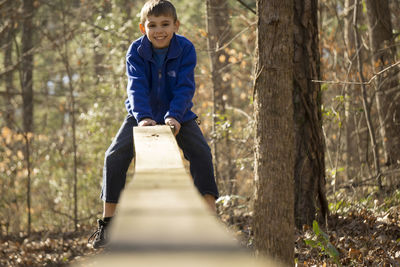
(340,206)
(321,241)
(393,199)
(334,172)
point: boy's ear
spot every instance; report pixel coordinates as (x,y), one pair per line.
(142,28)
(177,24)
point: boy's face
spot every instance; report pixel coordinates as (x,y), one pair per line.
(159,30)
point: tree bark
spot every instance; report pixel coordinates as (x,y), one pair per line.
(274,139)
(310,163)
(387,95)
(8,79)
(353,163)
(219,33)
(27,92)
(27,65)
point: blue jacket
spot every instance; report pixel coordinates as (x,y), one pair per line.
(159,93)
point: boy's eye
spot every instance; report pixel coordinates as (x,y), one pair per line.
(165,24)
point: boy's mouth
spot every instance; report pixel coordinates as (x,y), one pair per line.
(159,37)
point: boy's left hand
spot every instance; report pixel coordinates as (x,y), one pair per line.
(173,122)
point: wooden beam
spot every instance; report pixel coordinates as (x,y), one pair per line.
(162,220)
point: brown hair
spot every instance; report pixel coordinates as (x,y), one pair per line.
(157,8)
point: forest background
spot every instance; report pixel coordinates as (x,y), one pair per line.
(62,92)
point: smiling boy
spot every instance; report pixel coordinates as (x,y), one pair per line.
(160,69)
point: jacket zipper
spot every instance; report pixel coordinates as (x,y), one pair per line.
(159,82)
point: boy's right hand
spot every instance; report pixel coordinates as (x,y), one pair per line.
(147,122)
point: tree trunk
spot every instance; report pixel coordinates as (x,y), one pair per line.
(367,113)
(353,164)
(27,65)
(8,79)
(387,95)
(65,55)
(98,54)
(274,141)
(310,166)
(27,91)
(219,33)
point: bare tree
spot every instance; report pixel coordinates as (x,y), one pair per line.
(6,42)
(310,166)
(27,91)
(371,129)
(274,142)
(65,55)
(387,91)
(352,149)
(219,34)
(27,65)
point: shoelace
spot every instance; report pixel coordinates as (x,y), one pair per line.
(96,234)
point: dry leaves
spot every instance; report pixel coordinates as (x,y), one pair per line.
(362,237)
(44,249)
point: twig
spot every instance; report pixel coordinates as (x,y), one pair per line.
(87,22)
(360,83)
(365,181)
(235,37)
(240,111)
(247,6)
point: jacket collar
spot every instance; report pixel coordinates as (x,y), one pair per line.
(146,52)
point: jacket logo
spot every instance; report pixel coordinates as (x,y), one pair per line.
(171,73)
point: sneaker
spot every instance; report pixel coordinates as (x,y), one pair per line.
(99,238)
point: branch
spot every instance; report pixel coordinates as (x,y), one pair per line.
(10,68)
(235,37)
(247,6)
(3,3)
(87,21)
(360,83)
(365,182)
(240,111)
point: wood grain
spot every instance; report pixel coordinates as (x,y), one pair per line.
(162,220)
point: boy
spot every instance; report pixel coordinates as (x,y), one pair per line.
(160,69)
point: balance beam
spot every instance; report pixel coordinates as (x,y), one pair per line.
(162,220)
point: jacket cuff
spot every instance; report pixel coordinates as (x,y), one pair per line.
(142,117)
(173,115)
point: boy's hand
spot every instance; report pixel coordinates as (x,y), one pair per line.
(147,122)
(173,122)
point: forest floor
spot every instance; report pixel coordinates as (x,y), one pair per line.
(365,232)
(358,234)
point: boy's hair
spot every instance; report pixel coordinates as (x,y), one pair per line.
(157,8)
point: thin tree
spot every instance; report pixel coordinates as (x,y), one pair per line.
(65,55)
(309,171)
(371,129)
(218,35)
(383,51)
(274,138)
(26,78)
(6,42)
(352,148)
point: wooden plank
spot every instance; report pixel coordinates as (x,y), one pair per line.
(161,204)
(162,220)
(156,149)
(180,259)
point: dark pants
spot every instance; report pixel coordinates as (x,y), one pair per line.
(121,152)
